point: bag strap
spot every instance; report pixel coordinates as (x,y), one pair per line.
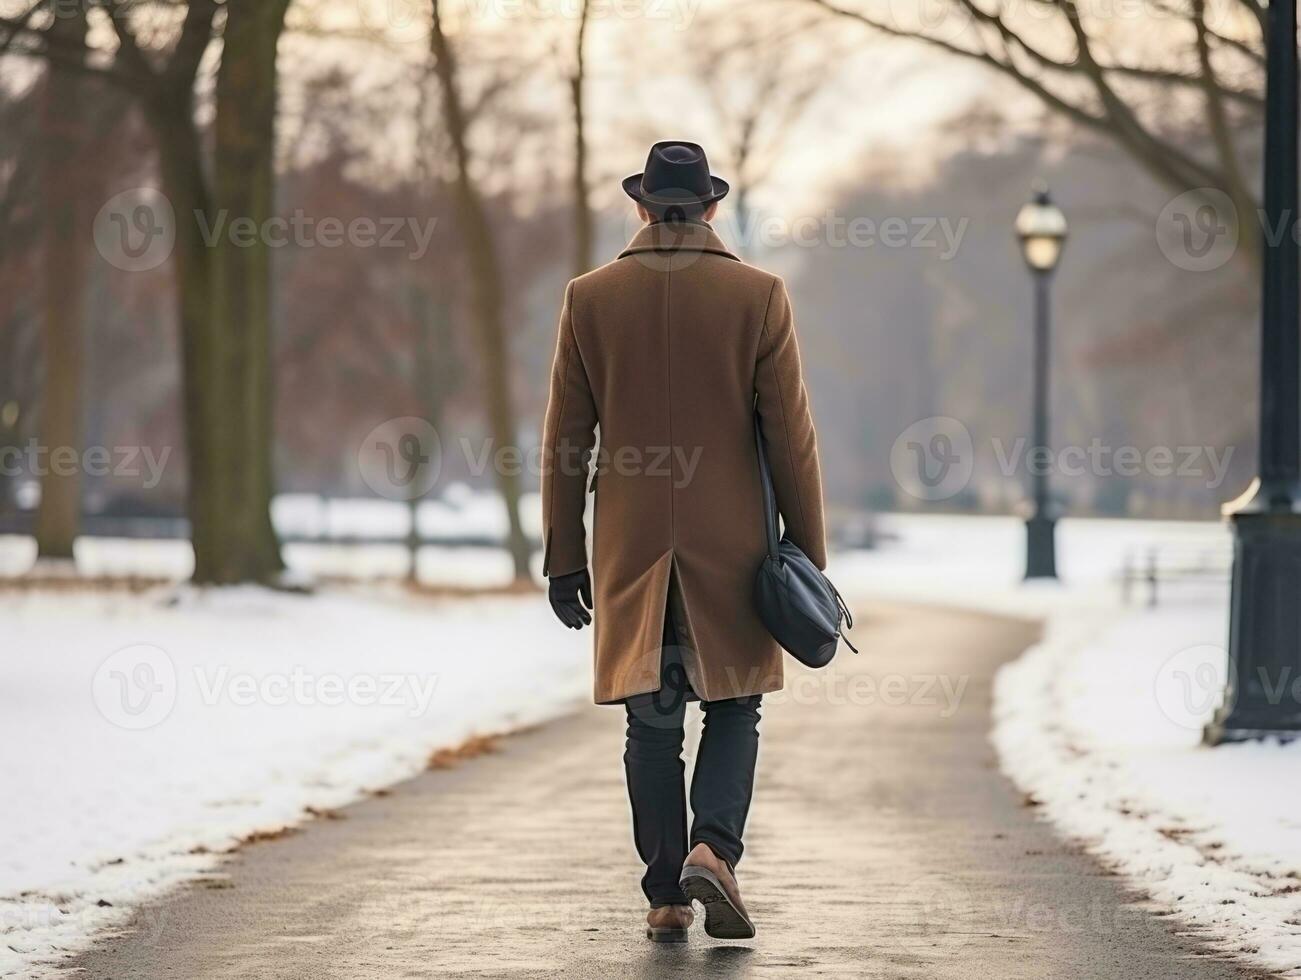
(845,616)
(771,531)
(766,488)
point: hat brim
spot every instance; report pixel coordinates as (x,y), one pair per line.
(632,187)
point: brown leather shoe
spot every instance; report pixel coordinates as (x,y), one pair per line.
(669,923)
(707,879)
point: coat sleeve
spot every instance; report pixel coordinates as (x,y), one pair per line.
(568,436)
(787,424)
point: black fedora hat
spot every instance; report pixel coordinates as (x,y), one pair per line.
(676,175)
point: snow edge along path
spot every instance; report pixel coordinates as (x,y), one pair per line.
(113,819)
(1127,792)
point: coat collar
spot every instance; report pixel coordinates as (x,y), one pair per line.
(677,236)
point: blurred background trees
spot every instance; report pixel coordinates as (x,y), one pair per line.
(1178,86)
(263,361)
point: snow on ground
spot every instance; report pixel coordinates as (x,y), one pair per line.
(144,734)
(977,562)
(459,512)
(1101,723)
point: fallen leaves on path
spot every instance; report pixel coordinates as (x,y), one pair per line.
(471,748)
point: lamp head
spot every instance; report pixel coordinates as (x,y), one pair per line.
(1041,226)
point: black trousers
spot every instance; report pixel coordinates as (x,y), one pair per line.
(721,785)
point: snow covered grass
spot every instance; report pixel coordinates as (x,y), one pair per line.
(459,512)
(145,734)
(977,562)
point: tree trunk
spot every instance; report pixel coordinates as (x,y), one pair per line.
(183,183)
(223,287)
(584,236)
(485,297)
(64,307)
(223,282)
(741,209)
(243,202)
(430,386)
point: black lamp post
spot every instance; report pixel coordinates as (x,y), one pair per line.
(1265,611)
(1041,226)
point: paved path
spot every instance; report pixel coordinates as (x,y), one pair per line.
(883,843)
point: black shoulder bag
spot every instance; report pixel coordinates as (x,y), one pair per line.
(797,603)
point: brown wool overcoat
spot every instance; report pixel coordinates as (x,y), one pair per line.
(668,349)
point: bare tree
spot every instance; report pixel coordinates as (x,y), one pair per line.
(584,235)
(759,81)
(435,366)
(485,285)
(244,186)
(222,291)
(64,294)
(1147,104)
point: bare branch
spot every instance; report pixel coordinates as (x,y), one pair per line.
(1031,84)
(1032,68)
(1217,118)
(1161,157)
(196,33)
(128,48)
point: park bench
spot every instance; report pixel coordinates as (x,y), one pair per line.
(1156,566)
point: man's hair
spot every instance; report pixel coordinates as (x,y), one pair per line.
(669,213)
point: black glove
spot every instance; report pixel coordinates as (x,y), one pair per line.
(564,592)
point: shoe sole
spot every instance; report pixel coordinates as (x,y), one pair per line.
(666,934)
(723,920)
